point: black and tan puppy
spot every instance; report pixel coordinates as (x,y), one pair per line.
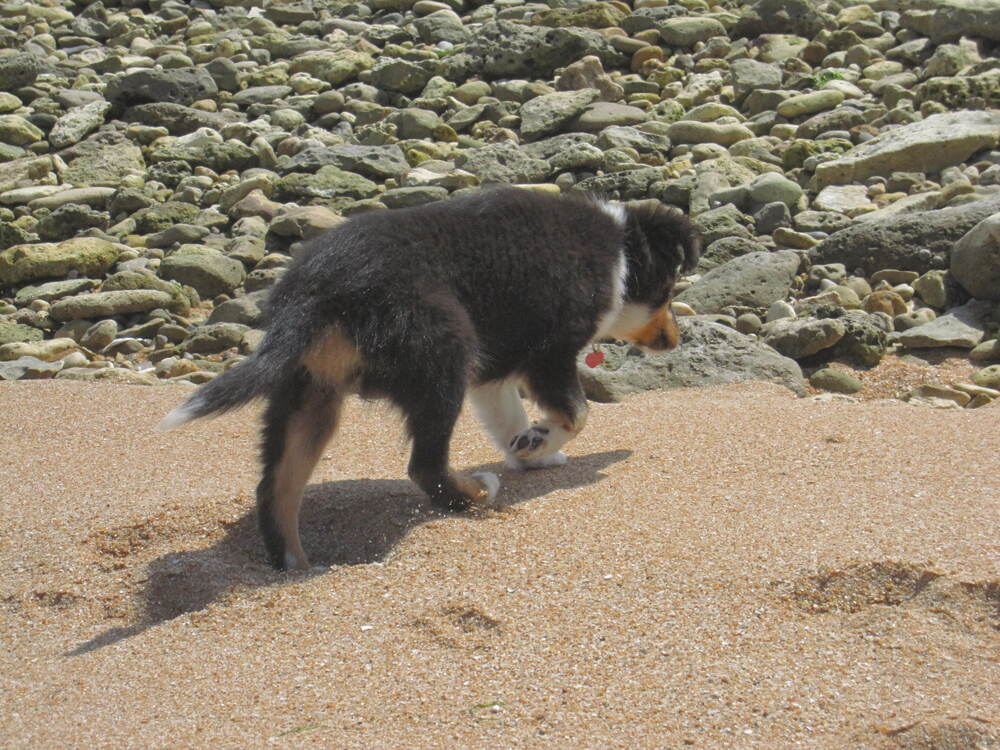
(475,295)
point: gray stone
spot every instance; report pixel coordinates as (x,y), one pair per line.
(207,270)
(52,290)
(403,76)
(975,259)
(328,182)
(214,338)
(724,249)
(375,162)
(99,335)
(11,332)
(686,31)
(692,131)
(799,17)
(865,339)
(17,131)
(177,85)
(752,75)
(441,26)
(103,164)
(108,304)
(19,69)
(176,118)
(835,381)
(770,187)
(502,162)
(802,338)
(546,114)
(76,124)
(503,49)
(962,327)
(929,145)
(755,280)
(69,220)
(709,354)
(954,19)
(28,368)
(246,310)
(406,197)
(87,256)
(918,241)
(630,184)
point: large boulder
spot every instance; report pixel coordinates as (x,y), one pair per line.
(975,259)
(954,19)
(503,49)
(781,17)
(919,241)
(755,279)
(87,256)
(962,327)
(177,85)
(204,268)
(709,354)
(930,145)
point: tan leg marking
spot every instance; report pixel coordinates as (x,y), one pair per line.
(334,358)
(307,433)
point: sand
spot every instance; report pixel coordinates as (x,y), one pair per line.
(719,568)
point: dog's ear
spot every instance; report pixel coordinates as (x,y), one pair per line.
(669,235)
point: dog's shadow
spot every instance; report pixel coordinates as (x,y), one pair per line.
(351,522)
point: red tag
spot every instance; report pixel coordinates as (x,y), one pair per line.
(594,359)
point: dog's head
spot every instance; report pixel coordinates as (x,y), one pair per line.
(660,245)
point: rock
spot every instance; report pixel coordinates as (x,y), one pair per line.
(545,115)
(958,92)
(801,338)
(920,241)
(810,104)
(246,310)
(177,85)
(107,375)
(441,26)
(207,270)
(47,351)
(752,75)
(373,162)
(11,332)
(975,259)
(987,351)
(327,183)
(86,256)
(107,304)
(502,162)
(304,222)
(954,19)
(988,377)
(19,69)
(755,280)
(962,327)
(709,354)
(686,31)
(930,145)
(28,368)
(845,199)
(771,187)
(99,335)
(103,164)
(835,381)
(69,220)
(76,124)
(865,340)
(217,337)
(931,394)
(691,131)
(402,76)
(724,250)
(886,302)
(52,290)
(781,17)
(17,131)
(406,197)
(502,49)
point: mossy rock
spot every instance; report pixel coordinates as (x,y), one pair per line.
(803,148)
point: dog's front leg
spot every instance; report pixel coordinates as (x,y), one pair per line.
(556,389)
(499,408)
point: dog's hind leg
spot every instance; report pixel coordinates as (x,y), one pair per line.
(299,420)
(556,389)
(501,412)
(430,421)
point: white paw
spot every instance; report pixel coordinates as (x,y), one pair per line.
(491,481)
(526,464)
(530,443)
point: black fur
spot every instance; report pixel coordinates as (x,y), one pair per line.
(503,283)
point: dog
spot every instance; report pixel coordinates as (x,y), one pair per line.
(476,295)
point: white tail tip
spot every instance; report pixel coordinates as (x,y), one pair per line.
(179,416)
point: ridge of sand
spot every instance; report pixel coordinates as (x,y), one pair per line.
(726,567)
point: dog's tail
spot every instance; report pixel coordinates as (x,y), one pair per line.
(260,374)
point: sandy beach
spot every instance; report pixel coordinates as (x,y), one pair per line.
(719,568)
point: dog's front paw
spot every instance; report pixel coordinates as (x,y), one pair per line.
(530,443)
(526,464)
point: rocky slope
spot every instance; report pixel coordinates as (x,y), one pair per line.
(161,162)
